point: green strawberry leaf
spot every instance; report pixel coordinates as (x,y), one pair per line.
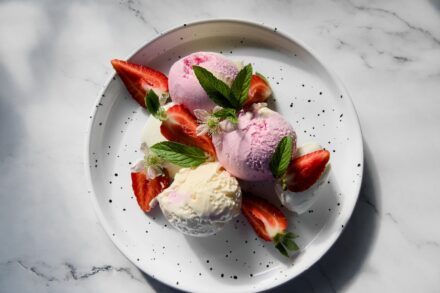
(282,249)
(152,102)
(281,158)
(179,154)
(284,242)
(290,244)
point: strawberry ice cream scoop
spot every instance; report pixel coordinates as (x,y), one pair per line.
(245,151)
(183,84)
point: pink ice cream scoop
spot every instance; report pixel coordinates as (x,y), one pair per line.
(183,84)
(245,152)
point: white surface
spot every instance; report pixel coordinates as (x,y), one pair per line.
(233,260)
(54,59)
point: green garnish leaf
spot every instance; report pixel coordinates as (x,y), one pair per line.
(290,244)
(281,158)
(152,102)
(216,89)
(290,235)
(282,249)
(179,154)
(284,242)
(240,86)
(227,113)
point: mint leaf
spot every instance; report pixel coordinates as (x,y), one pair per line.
(240,86)
(216,89)
(281,158)
(227,113)
(179,154)
(152,102)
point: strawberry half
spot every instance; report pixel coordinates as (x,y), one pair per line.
(304,171)
(259,90)
(145,190)
(268,222)
(180,126)
(139,80)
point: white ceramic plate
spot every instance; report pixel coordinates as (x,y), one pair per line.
(234,260)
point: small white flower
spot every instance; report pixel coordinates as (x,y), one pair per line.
(152,163)
(207,122)
(202,129)
(201,115)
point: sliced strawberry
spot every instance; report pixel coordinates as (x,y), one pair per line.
(180,126)
(259,90)
(268,222)
(145,190)
(304,171)
(139,79)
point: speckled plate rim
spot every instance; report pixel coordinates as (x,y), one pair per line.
(306,264)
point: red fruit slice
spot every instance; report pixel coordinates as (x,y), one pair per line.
(146,189)
(180,127)
(269,223)
(304,171)
(139,79)
(266,219)
(259,90)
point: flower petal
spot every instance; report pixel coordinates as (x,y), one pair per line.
(153,172)
(201,115)
(158,170)
(227,126)
(163,97)
(138,166)
(216,109)
(202,129)
(144,148)
(258,106)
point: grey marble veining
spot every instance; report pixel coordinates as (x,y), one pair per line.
(54,59)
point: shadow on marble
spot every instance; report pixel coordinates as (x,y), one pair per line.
(345,259)
(436,4)
(11,124)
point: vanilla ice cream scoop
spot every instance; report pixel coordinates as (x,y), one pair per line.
(201,200)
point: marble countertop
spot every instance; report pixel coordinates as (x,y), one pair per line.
(54,59)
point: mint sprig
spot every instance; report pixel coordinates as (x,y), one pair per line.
(241,84)
(179,154)
(281,158)
(217,90)
(284,242)
(220,93)
(153,105)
